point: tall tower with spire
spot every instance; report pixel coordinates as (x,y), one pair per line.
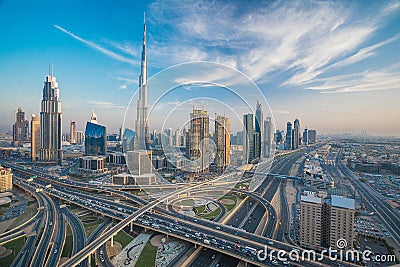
(50,122)
(142,121)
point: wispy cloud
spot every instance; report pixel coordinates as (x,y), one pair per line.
(105,105)
(385,79)
(301,40)
(97,47)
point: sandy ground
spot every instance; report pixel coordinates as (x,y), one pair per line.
(130,254)
(6,224)
(112,251)
(156,241)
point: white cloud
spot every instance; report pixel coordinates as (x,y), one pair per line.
(300,39)
(388,78)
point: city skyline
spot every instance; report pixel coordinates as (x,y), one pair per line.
(314,72)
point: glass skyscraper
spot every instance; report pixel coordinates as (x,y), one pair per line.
(95,139)
(128,140)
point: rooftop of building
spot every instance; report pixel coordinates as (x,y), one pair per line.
(342,202)
(311,198)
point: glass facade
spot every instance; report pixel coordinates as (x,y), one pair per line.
(128,140)
(95,139)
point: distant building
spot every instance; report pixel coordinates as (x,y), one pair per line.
(268,131)
(248,138)
(35,137)
(222,142)
(116,158)
(139,162)
(288,143)
(305,136)
(51,123)
(92,164)
(128,140)
(72,133)
(130,179)
(20,128)
(5,179)
(80,137)
(95,138)
(198,145)
(258,132)
(312,136)
(296,134)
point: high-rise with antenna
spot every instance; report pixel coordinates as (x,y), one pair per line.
(142,121)
(50,122)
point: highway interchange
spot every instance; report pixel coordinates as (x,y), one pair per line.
(228,239)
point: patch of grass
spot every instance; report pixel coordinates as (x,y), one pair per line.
(148,256)
(16,244)
(67,250)
(230,207)
(200,209)
(90,227)
(123,238)
(213,214)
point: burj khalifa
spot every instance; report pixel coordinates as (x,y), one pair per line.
(142,121)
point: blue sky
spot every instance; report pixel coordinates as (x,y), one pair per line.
(333,64)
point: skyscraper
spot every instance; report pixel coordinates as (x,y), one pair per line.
(72,133)
(222,141)
(198,132)
(20,128)
(312,136)
(305,136)
(95,137)
(248,138)
(51,122)
(267,144)
(142,121)
(296,134)
(259,132)
(35,137)
(288,143)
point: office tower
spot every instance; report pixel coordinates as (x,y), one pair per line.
(198,145)
(35,137)
(222,142)
(142,120)
(95,137)
(51,122)
(312,136)
(324,219)
(296,134)
(288,144)
(278,136)
(267,144)
(139,162)
(342,212)
(239,138)
(20,128)
(177,137)
(259,132)
(72,133)
(5,179)
(80,137)
(310,222)
(248,138)
(128,140)
(305,136)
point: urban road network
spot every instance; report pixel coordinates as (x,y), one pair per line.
(254,223)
